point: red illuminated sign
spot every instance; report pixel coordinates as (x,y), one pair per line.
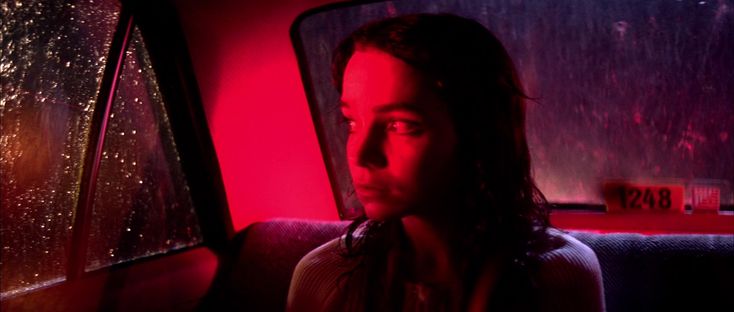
(632,196)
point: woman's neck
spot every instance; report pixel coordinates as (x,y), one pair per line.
(430,258)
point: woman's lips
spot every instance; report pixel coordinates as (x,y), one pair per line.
(370,192)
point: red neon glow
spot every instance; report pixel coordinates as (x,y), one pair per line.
(262,129)
(256,107)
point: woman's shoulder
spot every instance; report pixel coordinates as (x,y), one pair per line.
(316,278)
(323,257)
(569,276)
(566,252)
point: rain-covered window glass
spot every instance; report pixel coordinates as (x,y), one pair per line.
(51,65)
(142,204)
(629,90)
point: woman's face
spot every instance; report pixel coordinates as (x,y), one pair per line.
(401,146)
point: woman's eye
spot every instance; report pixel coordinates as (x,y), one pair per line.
(403,127)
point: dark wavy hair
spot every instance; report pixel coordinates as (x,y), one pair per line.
(501,211)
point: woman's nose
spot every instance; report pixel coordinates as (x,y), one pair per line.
(370,151)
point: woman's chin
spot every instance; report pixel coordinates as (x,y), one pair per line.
(381,212)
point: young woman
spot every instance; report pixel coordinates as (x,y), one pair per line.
(437,151)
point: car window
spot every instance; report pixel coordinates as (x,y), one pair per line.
(51,67)
(142,204)
(91,173)
(619,92)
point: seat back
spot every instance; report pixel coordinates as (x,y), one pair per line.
(665,272)
(641,272)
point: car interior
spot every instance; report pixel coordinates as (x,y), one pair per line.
(184,155)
